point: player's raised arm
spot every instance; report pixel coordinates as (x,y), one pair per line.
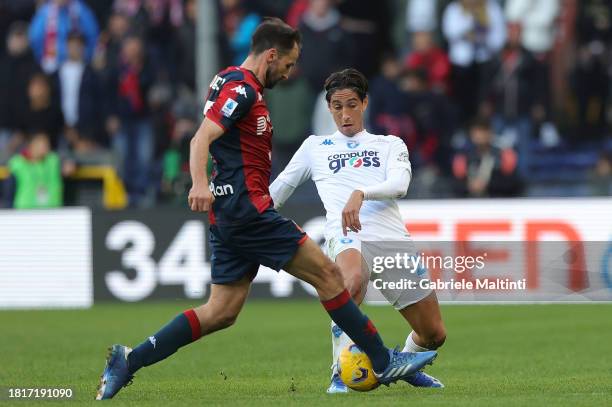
(294,175)
(200,197)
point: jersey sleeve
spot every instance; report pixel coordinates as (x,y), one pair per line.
(398,155)
(233,104)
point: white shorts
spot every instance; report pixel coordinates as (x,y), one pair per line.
(399,298)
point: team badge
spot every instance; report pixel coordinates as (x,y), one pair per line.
(352,144)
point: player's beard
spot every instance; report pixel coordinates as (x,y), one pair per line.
(271,78)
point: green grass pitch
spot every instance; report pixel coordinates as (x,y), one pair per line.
(279,354)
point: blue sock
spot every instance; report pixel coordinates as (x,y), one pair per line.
(182,330)
(345,313)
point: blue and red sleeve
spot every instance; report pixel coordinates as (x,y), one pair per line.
(233,104)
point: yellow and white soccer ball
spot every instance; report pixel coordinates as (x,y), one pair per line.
(355,369)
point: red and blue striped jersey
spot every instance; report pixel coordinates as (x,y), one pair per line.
(242,155)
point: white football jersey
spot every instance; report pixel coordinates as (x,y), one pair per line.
(338,165)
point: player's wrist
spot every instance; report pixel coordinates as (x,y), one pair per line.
(361,192)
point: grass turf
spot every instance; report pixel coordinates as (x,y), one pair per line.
(279,354)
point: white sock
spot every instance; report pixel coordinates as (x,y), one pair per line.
(340,340)
(411,346)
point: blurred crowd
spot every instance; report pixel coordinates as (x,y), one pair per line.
(492,97)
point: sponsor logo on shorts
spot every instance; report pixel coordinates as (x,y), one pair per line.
(346,240)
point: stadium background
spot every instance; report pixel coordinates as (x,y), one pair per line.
(117,230)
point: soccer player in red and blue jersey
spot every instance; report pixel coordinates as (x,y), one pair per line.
(245,230)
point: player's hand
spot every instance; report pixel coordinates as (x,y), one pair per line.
(200,198)
(350,213)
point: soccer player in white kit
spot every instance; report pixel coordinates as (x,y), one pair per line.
(358,176)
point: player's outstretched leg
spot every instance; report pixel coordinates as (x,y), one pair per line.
(355,277)
(430,333)
(311,265)
(339,341)
(219,312)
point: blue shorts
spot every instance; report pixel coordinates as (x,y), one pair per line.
(239,250)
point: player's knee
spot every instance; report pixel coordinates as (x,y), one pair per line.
(225,319)
(213,318)
(331,274)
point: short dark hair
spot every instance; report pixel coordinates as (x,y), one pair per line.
(76,35)
(274,33)
(349,78)
(18,28)
(481,123)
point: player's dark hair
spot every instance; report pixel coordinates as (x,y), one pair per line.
(76,35)
(349,78)
(18,28)
(274,33)
(480,122)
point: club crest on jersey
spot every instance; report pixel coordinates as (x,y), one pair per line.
(359,159)
(240,90)
(352,144)
(228,107)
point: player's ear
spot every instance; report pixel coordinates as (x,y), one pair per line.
(365,103)
(272,55)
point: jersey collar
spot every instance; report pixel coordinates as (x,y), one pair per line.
(354,137)
(259,84)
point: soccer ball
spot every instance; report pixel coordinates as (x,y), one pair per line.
(355,369)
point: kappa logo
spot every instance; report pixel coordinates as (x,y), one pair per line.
(153,341)
(240,90)
(228,107)
(352,144)
(327,142)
